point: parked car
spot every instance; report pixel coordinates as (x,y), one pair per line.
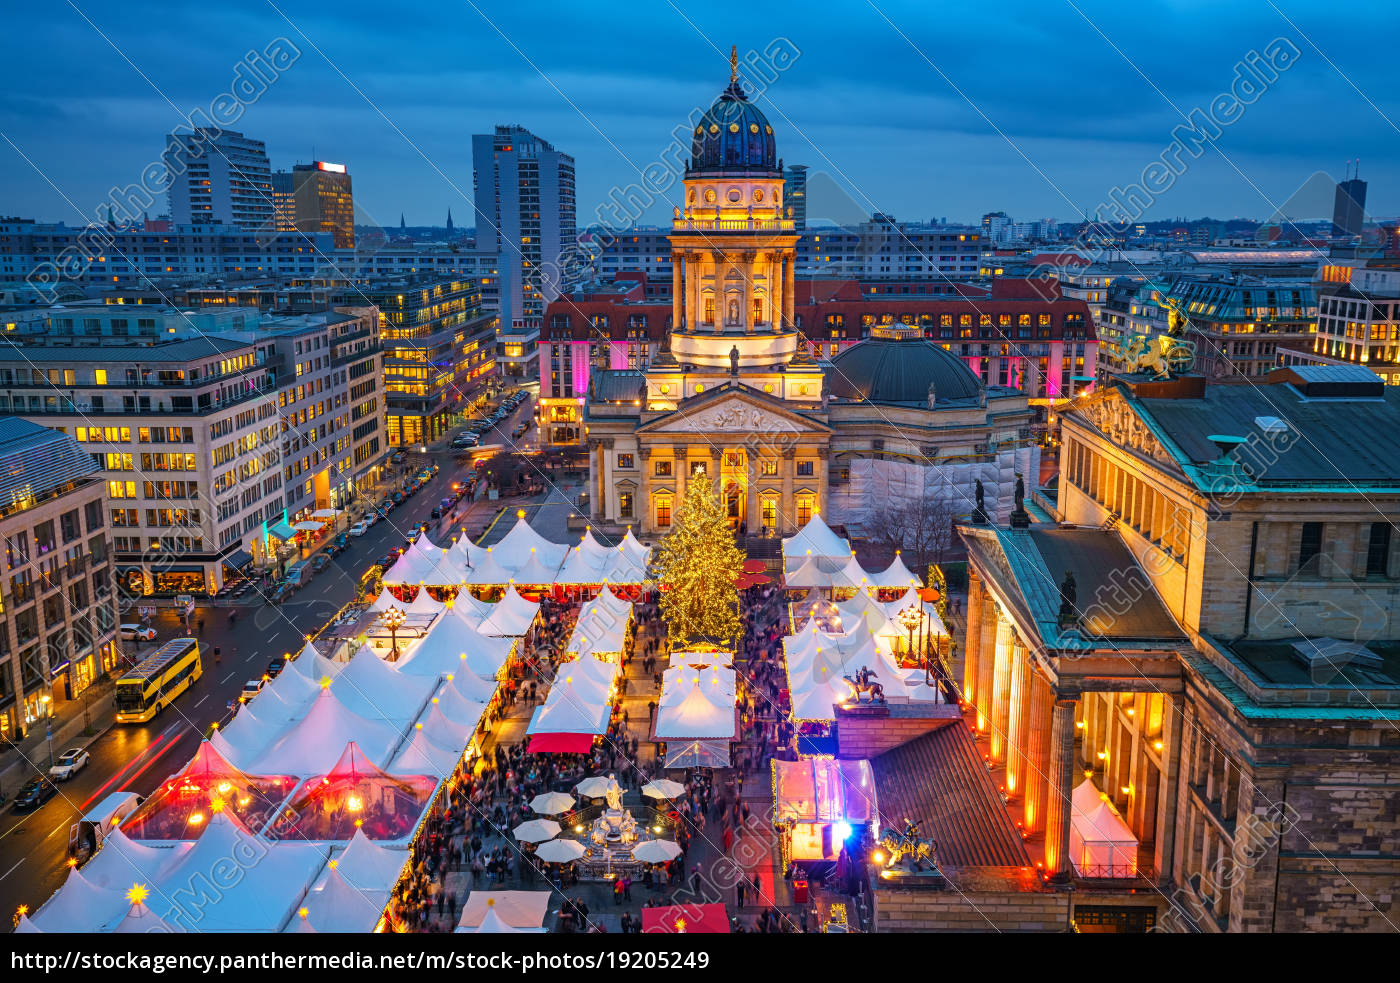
(397,497)
(320,561)
(466,440)
(282,592)
(68,764)
(35,793)
(338,544)
(137,633)
(275,667)
(251,689)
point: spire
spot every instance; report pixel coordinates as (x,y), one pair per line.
(402,225)
(733,63)
(449,220)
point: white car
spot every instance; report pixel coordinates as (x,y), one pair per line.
(69,763)
(359,528)
(135,633)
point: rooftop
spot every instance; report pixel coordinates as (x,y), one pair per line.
(36,461)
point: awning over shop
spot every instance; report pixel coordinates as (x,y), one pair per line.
(689,919)
(561,744)
(238,559)
(281,530)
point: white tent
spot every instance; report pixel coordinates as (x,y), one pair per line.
(634,549)
(424,603)
(815,539)
(827,573)
(423,563)
(458,708)
(601,626)
(81,906)
(294,688)
(447,733)
(312,664)
(717,683)
(1101,844)
(465,553)
(818,700)
(512,615)
(373,688)
(697,714)
(369,865)
(315,744)
(569,713)
(490,571)
(423,756)
(535,571)
(515,547)
(471,609)
(122,862)
(584,563)
(453,646)
(334,905)
(472,687)
(141,920)
(523,911)
(698,659)
(895,575)
(272,879)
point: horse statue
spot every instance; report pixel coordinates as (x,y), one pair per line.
(907,851)
(862,683)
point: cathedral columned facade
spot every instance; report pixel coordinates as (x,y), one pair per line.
(734,394)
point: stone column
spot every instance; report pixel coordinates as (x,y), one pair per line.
(1021,673)
(789,291)
(973,637)
(746,314)
(1061,773)
(1001,687)
(787,508)
(986,669)
(677,291)
(642,508)
(1038,753)
(1169,756)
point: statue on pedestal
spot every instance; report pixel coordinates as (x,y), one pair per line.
(734,360)
(979,514)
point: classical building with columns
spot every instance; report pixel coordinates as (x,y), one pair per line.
(731,390)
(1208,634)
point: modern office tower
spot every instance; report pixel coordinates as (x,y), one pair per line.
(795,180)
(525,208)
(1349,208)
(219,177)
(58,635)
(314,198)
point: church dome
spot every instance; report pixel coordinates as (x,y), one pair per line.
(900,369)
(733,137)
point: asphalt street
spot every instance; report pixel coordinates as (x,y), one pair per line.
(137,757)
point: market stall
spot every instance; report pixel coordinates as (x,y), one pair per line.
(819,805)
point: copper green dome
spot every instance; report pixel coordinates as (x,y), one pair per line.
(903,370)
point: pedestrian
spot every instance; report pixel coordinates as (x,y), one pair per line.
(695,879)
(742,891)
(216,654)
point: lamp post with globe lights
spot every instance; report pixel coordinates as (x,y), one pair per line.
(393,620)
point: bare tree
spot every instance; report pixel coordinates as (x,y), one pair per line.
(921,527)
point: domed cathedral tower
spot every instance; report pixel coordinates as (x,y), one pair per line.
(733,245)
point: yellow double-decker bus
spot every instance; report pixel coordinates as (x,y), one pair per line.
(153,683)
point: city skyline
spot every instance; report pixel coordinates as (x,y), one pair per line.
(938,128)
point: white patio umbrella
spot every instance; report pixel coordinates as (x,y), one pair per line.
(560,851)
(325,513)
(552,803)
(663,788)
(536,830)
(307,525)
(595,787)
(656,851)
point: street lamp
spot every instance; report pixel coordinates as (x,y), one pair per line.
(394,619)
(910,618)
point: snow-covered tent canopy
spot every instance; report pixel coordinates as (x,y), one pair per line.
(511,616)
(180,807)
(354,795)
(1100,843)
(815,539)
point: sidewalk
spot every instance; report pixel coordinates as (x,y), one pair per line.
(18,766)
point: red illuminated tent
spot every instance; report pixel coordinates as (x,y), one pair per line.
(561,743)
(686,919)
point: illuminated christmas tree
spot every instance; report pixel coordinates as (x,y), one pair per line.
(698,562)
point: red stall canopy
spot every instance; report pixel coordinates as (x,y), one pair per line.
(561,743)
(686,919)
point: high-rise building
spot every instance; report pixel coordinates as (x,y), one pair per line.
(525,209)
(795,180)
(1349,208)
(219,177)
(314,198)
(58,635)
